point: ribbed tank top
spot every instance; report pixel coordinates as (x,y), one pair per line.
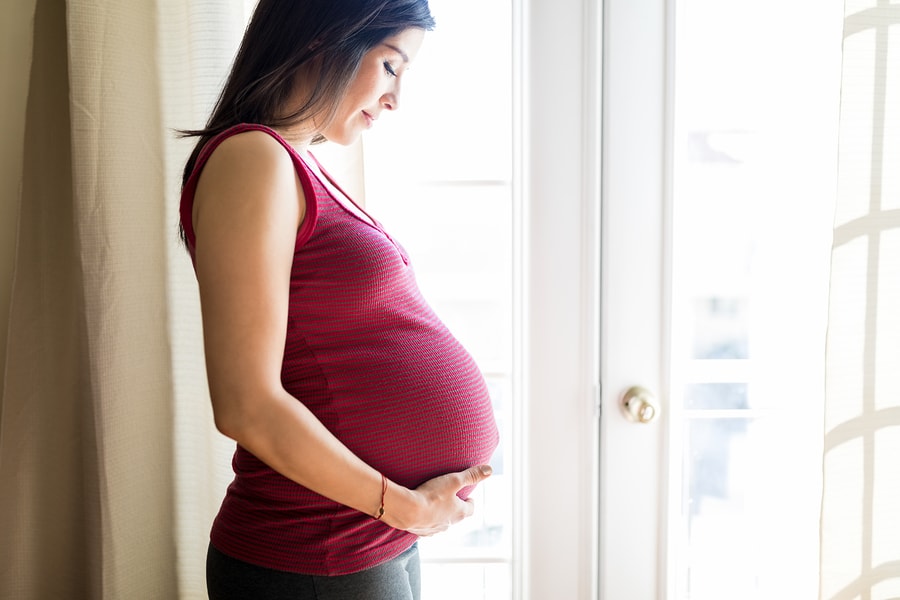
(368,356)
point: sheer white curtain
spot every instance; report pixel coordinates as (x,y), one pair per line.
(860,532)
(109,474)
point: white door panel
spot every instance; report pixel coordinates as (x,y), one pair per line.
(559,327)
(634,244)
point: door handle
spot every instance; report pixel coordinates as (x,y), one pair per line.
(639,405)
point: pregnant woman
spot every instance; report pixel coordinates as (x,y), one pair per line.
(361,423)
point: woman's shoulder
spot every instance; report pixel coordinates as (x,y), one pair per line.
(253,167)
(250,154)
(251,143)
(247,165)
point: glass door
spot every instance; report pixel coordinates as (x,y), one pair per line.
(720,162)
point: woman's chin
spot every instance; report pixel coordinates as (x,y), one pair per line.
(344,139)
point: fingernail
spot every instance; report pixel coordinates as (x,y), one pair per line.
(486,470)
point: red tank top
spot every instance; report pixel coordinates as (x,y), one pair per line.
(369,357)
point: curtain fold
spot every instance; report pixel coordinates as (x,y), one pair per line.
(860,527)
(120,230)
(45,514)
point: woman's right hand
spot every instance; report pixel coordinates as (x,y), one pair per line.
(433,506)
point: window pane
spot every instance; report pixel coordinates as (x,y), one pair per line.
(721,328)
(455,117)
(469,581)
(754,148)
(748,490)
(717,396)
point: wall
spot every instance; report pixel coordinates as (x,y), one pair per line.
(16,29)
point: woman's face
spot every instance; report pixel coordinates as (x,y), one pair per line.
(375,88)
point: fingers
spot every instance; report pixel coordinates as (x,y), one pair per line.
(476,475)
(448,505)
(468,508)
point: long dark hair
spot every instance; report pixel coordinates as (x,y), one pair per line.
(324,40)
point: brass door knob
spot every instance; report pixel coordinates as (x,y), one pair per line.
(639,405)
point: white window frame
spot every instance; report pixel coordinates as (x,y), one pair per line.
(558,172)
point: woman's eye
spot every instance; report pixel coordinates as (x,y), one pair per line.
(390,70)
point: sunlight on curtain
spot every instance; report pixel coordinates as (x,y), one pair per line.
(44,524)
(860,557)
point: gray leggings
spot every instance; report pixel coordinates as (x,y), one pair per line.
(231,579)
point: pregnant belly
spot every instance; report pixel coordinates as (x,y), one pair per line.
(409,400)
(415,430)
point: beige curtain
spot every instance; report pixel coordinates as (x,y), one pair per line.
(860,532)
(110,469)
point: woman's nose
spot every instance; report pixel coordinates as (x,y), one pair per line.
(390,101)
